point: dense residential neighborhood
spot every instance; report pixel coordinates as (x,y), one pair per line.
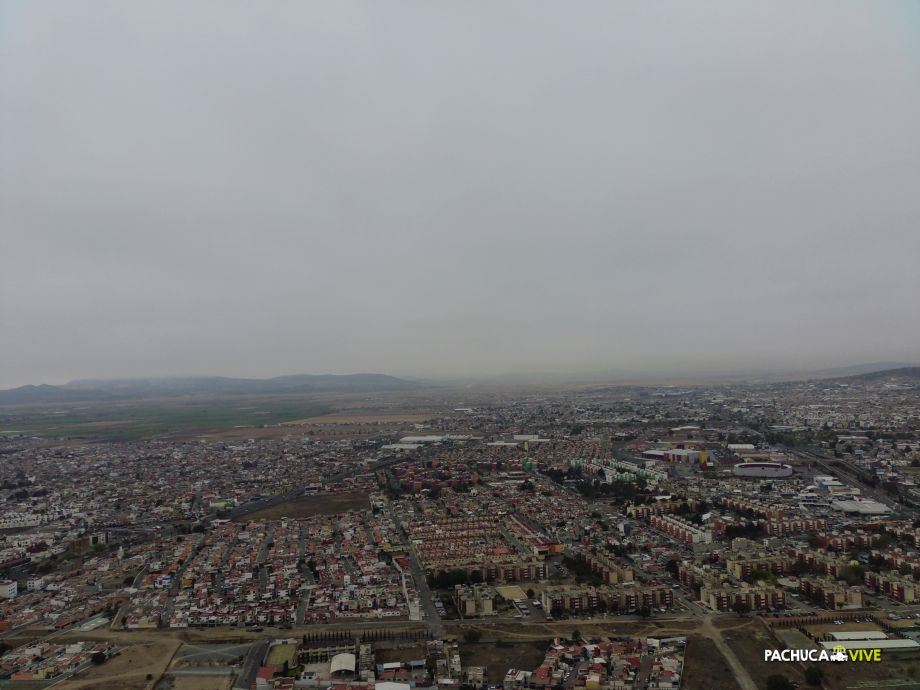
(785,503)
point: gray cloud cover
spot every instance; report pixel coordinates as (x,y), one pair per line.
(250,188)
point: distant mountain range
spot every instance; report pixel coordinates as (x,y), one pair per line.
(100,390)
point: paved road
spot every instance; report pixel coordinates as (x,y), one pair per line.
(645,670)
(432,619)
(247,672)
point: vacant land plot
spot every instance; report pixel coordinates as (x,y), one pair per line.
(748,642)
(724,622)
(705,668)
(229,636)
(367,418)
(128,670)
(176,418)
(565,628)
(825,628)
(403,654)
(307,506)
(198,682)
(25,636)
(511,592)
(499,657)
(204,655)
(255,432)
(898,671)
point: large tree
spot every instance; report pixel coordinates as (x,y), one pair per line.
(779,682)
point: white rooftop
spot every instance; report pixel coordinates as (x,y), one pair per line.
(859,635)
(871,644)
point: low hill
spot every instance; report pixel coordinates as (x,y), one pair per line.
(859,369)
(136,389)
(902,373)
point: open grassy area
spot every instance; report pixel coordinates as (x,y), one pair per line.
(307,506)
(281,653)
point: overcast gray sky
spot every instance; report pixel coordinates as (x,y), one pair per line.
(454,188)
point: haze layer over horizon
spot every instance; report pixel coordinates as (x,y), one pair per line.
(447,189)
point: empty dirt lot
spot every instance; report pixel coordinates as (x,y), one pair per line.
(370,418)
(498,658)
(308,506)
(747,641)
(705,668)
(202,682)
(148,655)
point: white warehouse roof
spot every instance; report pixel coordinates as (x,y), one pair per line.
(342,662)
(871,644)
(861,507)
(859,635)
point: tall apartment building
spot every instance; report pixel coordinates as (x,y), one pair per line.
(722,598)
(8,589)
(832,594)
(753,507)
(609,569)
(741,566)
(828,563)
(783,527)
(902,588)
(476,600)
(576,598)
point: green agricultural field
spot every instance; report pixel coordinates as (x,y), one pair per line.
(147,419)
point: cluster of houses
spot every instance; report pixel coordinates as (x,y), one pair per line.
(612,664)
(46,661)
